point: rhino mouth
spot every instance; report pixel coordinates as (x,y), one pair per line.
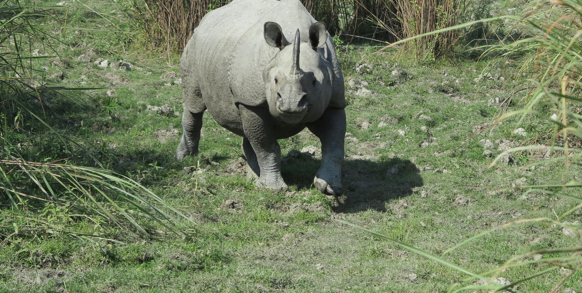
(292,117)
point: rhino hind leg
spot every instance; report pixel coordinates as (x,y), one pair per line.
(330,129)
(194,108)
(192,124)
(253,170)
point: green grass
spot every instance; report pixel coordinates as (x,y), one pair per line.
(442,192)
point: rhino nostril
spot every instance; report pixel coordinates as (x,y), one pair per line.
(304,102)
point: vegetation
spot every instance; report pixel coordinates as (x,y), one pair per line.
(92,199)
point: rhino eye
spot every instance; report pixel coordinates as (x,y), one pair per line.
(276,80)
(314,82)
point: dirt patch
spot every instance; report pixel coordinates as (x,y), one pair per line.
(28,277)
(115,79)
(163,135)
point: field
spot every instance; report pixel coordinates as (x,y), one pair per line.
(420,141)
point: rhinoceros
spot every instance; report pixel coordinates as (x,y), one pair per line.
(265,70)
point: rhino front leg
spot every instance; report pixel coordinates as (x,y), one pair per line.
(260,133)
(253,170)
(331,130)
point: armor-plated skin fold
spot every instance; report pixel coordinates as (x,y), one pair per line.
(265,70)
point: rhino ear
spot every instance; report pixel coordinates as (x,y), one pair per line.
(317,35)
(274,35)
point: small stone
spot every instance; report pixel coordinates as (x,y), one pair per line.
(84,58)
(401,132)
(502,281)
(462,200)
(363,92)
(104,64)
(424,194)
(424,117)
(488,153)
(572,231)
(487,144)
(319,267)
(189,170)
(382,124)
(412,276)
(232,205)
(537,256)
(520,182)
(554,117)
(362,123)
(424,128)
(520,132)
(309,150)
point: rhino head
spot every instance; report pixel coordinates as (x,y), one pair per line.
(298,79)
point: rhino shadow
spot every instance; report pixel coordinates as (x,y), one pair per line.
(367,185)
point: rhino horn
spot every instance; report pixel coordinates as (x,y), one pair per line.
(295,66)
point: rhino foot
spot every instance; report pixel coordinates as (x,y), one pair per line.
(272,184)
(327,188)
(183,150)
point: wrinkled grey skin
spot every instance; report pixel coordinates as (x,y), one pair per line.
(239,65)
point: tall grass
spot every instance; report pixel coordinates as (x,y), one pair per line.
(168,25)
(31,182)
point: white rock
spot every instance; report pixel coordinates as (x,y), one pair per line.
(401,132)
(520,131)
(104,63)
(382,124)
(554,117)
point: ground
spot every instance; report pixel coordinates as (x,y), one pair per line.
(420,140)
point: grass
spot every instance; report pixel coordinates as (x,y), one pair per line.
(430,188)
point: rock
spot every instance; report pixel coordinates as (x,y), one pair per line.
(123,65)
(424,194)
(84,58)
(462,200)
(554,117)
(412,277)
(104,64)
(573,230)
(363,92)
(424,117)
(110,93)
(382,124)
(487,144)
(506,159)
(57,75)
(311,151)
(520,182)
(362,123)
(520,132)
(488,153)
(538,256)
(165,110)
(232,205)
(363,68)
(401,132)
(502,281)
(169,76)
